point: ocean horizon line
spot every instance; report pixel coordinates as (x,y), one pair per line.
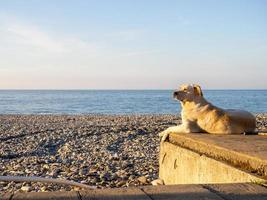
(213,89)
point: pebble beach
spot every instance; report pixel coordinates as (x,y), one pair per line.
(96,150)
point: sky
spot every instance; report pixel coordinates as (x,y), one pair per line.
(133,44)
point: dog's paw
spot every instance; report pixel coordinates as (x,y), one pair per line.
(164,136)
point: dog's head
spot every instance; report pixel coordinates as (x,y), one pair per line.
(188,93)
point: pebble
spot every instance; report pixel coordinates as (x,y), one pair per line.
(142,179)
(43,189)
(83,172)
(121,183)
(157,182)
(25,188)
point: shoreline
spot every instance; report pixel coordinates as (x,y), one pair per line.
(97,150)
(104,114)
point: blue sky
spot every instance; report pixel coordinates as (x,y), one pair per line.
(137,44)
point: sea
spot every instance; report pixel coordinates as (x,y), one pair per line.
(119,102)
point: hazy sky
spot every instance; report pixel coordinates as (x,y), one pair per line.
(137,44)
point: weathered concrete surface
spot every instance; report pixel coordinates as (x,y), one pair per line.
(174,192)
(182,166)
(248,152)
(44,195)
(118,193)
(181,192)
(239,191)
(203,158)
(5,196)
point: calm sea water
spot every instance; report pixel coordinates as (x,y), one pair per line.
(120,101)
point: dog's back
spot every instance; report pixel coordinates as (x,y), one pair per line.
(241,121)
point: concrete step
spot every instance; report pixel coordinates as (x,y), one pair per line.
(172,192)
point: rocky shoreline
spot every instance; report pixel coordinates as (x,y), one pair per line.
(97,150)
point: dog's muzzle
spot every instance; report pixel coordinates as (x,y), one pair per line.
(175,94)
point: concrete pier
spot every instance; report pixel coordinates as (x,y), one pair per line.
(208,159)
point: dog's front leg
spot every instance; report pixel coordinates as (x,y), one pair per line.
(175,129)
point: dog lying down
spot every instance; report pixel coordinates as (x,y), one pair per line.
(198,115)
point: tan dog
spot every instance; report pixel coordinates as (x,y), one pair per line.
(198,115)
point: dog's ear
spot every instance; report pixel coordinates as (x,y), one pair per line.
(198,90)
